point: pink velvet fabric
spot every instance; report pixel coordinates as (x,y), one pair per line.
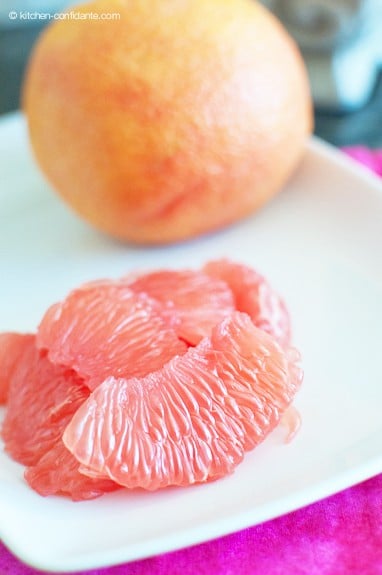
(340,535)
(372,159)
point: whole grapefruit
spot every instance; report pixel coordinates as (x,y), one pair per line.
(160,121)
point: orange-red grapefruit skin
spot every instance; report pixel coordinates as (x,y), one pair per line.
(176,119)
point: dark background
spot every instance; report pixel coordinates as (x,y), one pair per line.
(363,126)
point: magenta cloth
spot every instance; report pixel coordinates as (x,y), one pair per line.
(340,535)
(372,159)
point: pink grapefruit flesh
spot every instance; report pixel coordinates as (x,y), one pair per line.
(199,301)
(12,345)
(192,420)
(42,400)
(149,381)
(254,295)
(58,472)
(106,329)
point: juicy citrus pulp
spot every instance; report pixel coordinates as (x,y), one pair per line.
(42,399)
(192,420)
(149,381)
(107,328)
(254,295)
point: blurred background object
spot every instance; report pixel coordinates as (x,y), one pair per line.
(21,21)
(341,41)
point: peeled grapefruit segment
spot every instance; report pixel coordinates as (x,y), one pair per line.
(149,381)
(41,396)
(57,472)
(106,329)
(42,399)
(199,300)
(12,345)
(192,420)
(254,295)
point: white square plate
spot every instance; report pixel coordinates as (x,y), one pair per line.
(320,244)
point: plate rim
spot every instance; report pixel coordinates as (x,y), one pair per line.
(316,149)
